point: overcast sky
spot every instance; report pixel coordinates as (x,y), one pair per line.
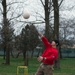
(68,4)
(35,6)
(65,12)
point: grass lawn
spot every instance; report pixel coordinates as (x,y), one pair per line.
(67,66)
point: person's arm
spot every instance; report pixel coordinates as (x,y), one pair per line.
(41,35)
(44,39)
(40,58)
(52,57)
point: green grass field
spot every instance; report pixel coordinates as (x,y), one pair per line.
(67,66)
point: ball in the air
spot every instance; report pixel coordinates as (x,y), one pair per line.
(26,14)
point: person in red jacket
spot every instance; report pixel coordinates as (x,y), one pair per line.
(48,57)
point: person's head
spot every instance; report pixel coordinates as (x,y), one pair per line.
(55,43)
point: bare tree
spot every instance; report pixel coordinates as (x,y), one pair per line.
(49,6)
(7,30)
(56,26)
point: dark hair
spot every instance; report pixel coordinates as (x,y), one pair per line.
(57,42)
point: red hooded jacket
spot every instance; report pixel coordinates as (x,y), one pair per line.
(50,53)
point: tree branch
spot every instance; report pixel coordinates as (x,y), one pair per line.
(42,3)
(1,10)
(15,17)
(0,1)
(50,5)
(40,15)
(61,2)
(14,3)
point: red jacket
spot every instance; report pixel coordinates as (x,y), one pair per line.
(50,53)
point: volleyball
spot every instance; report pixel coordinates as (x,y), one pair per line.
(26,14)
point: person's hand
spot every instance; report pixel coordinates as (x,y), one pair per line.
(41,35)
(40,58)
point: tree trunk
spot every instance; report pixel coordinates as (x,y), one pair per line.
(38,53)
(56,28)
(7,54)
(46,19)
(32,53)
(6,38)
(18,54)
(56,19)
(12,54)
(4,52)
(25,55)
